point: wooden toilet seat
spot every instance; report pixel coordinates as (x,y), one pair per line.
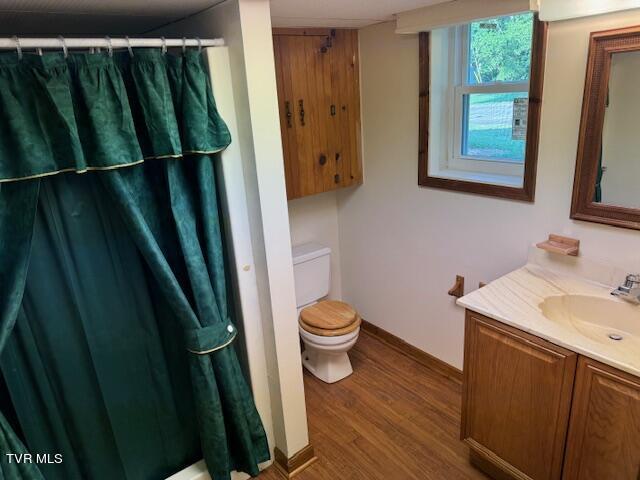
(329,318)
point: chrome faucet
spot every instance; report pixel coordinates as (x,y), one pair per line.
(630,291)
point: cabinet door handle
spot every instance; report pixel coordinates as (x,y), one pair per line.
(287,108)
(323,159)
(333,110)
(301,105)
(328,43)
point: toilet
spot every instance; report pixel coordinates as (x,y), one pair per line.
(328,328)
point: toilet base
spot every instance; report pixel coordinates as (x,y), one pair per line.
(328,367)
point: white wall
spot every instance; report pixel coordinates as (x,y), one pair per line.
(285,368)
(402,245)
(315,219)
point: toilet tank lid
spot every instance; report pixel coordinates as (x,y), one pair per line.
(308,251)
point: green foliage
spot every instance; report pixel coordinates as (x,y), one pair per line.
(500,49)
(495,144)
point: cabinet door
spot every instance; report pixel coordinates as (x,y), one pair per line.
(288,126)
(604,434)
(345,98)
(303,78)
(516,402)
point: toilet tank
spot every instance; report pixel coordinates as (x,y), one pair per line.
(312,272)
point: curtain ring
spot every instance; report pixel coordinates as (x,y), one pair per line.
(164,45)
(109,45)
(129,46)
(39,51)
(184,45)
(64,46)
(18,47)
(199,44)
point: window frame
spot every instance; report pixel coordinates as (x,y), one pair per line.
(477,168)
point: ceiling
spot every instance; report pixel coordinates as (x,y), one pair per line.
(130,17)
(84,17)
(340,13)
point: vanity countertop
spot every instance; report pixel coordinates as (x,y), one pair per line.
(514,299)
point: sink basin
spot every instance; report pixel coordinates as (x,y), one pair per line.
(602,319)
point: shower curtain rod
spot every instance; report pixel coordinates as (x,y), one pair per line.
(105,42)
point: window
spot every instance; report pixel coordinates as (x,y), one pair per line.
(481,85)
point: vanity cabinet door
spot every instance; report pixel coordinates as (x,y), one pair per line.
(516,401)
(604,436)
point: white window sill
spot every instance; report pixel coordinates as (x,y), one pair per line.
(515,181)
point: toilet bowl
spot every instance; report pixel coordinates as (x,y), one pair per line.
(329,329)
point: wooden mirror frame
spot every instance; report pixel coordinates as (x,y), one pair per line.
(601,47)
(525,193)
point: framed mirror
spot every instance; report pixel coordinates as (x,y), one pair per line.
(607,180)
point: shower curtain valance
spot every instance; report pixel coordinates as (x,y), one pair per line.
(100,112)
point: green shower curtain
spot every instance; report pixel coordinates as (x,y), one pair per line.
(148,126)
(17,213)
(92,366)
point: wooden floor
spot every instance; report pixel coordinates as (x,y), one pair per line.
(392,419)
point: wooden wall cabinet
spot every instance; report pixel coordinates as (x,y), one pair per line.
(524,419)
(317,74)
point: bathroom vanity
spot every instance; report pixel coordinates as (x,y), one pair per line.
(552,378)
